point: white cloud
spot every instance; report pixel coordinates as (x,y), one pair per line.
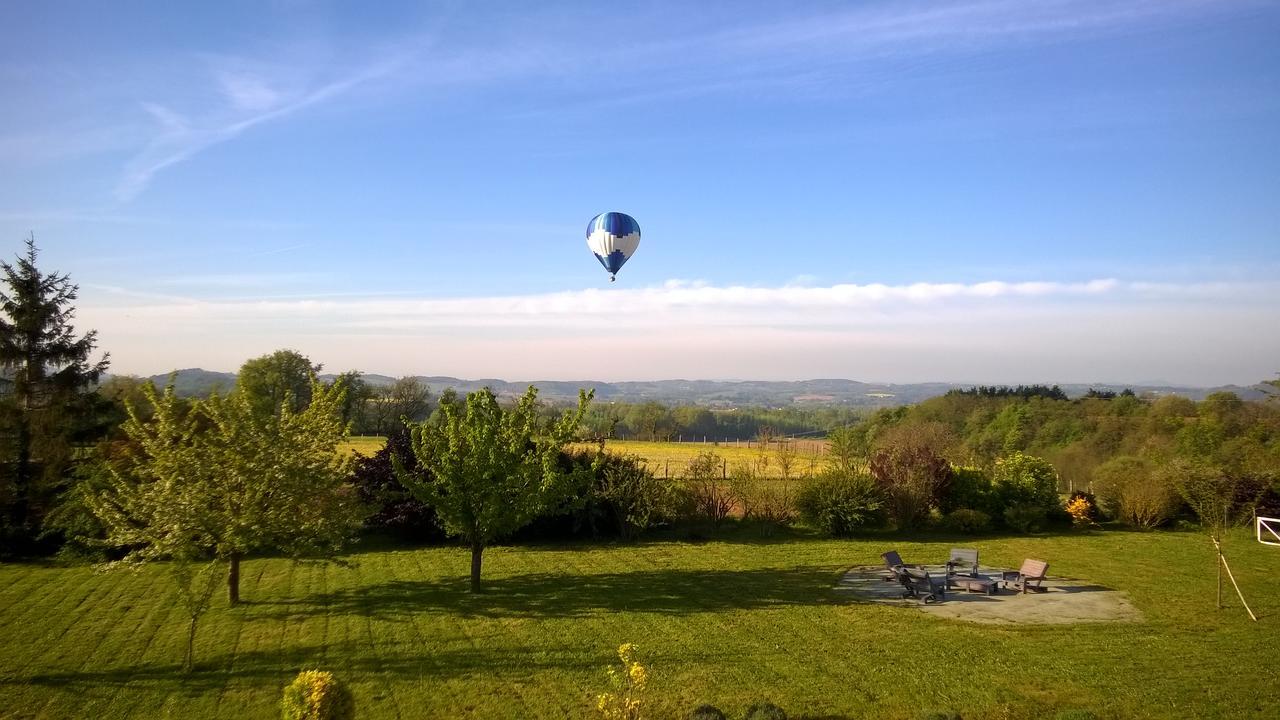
(992,331)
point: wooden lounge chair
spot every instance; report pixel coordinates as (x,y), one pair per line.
(1028,577)
(963,561)
(919,584)
(893,560)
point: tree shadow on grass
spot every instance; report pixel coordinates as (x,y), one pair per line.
(399,660)
(567,595)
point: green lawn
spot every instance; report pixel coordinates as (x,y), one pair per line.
(727,622)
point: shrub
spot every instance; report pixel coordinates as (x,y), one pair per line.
(968,522)
(1083,509)
(1021,479)
(765,711)
(317,695)
(941,715)
(707,712)
(770,503)
(912,478)
(1133,493)
(839,503)
(969,488)
(707,495)
(1025,518)
(630,492)
(394,509)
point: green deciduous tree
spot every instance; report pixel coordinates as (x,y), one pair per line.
(271,380)
(491,470)
(46,381)
(224,480)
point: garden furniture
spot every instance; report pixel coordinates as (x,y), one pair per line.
(1028,577)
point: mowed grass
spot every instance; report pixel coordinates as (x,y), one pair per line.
(669,459)
(726,622)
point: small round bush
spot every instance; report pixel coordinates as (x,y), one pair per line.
(706,712)
(765,711)
(317,695)
(968,522)
(941,715)
(841,504)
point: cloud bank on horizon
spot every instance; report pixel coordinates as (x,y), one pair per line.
(1103,330)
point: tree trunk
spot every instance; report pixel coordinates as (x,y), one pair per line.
(233,580)
(476,550)
(22,479)
(1218,546)
(188,663)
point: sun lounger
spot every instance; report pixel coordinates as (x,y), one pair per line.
(919,584)
(1028,577)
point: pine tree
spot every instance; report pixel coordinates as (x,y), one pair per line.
(47,387)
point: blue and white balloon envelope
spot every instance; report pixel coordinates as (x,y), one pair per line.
(613,237)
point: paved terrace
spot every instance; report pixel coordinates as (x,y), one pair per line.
(1066,600)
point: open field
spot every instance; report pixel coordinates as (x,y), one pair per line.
(668,459)
(365,444)
(728,622)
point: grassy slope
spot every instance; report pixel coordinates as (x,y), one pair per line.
(722,622)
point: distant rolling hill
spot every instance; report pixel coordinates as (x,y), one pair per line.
(711,393)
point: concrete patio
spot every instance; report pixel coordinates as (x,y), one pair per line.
(1064,601)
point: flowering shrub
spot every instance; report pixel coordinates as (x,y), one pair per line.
(1081,511)
(317,695)
(626,700)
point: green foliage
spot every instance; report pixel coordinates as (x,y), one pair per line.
(1025,517)
(224,480)
(847,450)
(1130,490)
(765,711)
(1220,499)
(634,497)
(1021,479)
(317,695)
(970,488)
(707,712)
(966,521)
(839,504)
(46,399)
(941,715)
(490,471)
(279,381)
(707,494)
(1076,714)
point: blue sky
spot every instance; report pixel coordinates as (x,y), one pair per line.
(964,191)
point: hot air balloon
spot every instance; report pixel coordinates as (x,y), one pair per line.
(613,237)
